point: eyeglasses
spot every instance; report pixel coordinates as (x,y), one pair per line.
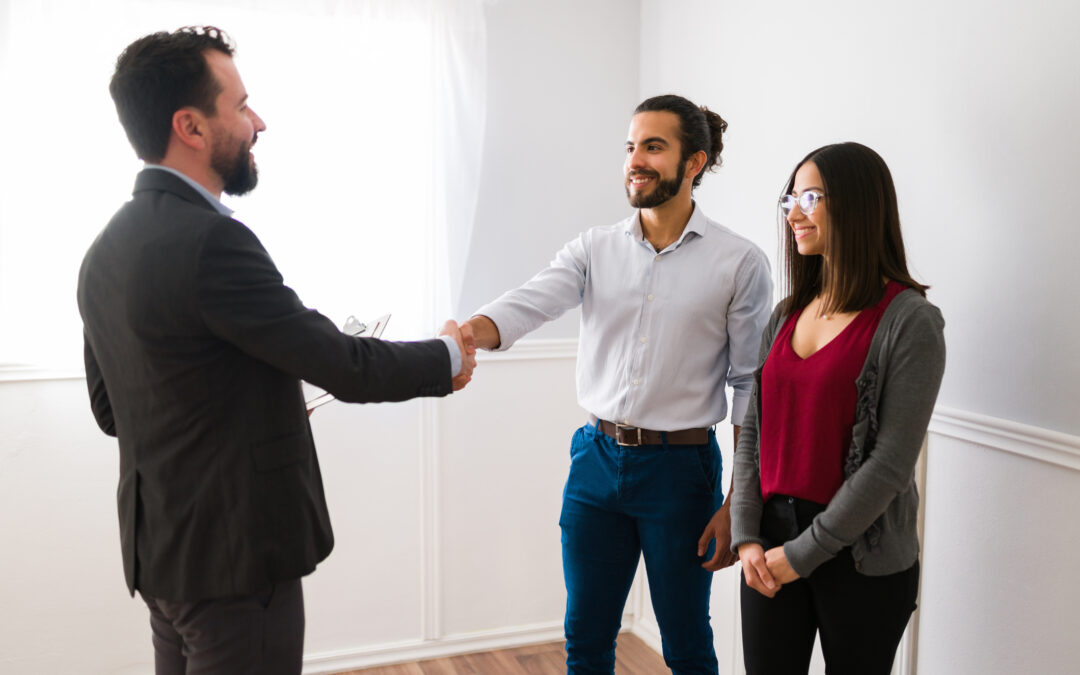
(807,202)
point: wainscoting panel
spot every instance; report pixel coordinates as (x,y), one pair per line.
(1001,548)
(446,517)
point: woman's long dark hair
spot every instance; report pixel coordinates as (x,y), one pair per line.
(862,243)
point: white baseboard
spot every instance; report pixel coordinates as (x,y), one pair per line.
(453,645)
(421,650)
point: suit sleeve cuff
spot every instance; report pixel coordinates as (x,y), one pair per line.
(455,354)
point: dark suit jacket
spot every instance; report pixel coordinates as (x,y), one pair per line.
(194,351)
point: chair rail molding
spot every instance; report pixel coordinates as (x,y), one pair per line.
(1025,440)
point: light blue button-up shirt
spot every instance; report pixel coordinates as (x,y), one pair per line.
(451,345)
(661,333)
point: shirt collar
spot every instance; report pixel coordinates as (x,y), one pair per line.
(697,224)
(214,201)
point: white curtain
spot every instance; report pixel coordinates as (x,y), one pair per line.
(368,169)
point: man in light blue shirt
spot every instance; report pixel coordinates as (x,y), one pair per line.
(673,306)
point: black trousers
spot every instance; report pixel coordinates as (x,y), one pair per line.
(861,618)
(259,634)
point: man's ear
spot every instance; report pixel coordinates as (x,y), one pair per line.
(695,163)
(190,127)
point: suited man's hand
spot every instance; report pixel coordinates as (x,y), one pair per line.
(466,342)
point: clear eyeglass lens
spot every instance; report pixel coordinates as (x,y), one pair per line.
(808,202)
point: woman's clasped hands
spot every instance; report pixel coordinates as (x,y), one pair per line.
(765,571)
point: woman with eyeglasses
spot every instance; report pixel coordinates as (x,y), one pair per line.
(824,502)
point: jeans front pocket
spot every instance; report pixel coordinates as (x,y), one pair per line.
(578,442)
(709,464)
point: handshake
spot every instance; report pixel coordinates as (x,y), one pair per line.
(479,331)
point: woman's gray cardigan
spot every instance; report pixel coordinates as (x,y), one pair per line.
(875,510)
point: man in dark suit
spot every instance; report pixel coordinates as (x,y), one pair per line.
(194,353)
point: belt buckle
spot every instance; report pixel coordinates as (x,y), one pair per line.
(619,428)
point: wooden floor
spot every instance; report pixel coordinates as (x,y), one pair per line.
(632,657)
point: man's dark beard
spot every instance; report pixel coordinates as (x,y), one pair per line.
(238,171)
(664,190)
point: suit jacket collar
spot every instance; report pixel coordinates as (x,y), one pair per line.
(157,180)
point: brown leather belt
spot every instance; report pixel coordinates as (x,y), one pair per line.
(635,436)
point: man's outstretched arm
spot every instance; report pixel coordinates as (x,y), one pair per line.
(485,332)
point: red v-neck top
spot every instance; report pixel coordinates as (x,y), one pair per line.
(808,407)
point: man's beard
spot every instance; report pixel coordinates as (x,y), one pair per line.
(662,192)
(237,171)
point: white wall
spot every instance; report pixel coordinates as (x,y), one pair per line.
(61,573)
(563,81)
(1001,549)
(972,104)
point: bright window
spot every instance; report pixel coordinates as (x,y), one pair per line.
(367,168)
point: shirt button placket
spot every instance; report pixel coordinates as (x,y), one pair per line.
(646,318)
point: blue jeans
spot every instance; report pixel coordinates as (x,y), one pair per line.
(620,503)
